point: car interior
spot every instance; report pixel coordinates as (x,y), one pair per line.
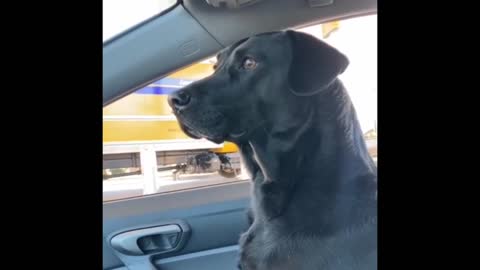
(195,228)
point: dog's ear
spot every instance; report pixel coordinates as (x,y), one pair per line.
(314,64)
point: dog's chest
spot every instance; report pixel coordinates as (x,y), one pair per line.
(262,249)
(273,244)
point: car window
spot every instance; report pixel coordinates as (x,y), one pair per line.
(145,151)
(120,15)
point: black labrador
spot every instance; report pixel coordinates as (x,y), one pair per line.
(277,96)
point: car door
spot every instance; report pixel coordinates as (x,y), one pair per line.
(192,229)
(186,224)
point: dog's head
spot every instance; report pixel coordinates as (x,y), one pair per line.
(253,79)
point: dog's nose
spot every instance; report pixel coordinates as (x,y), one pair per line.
(179,99)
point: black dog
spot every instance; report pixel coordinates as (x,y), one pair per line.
(277,96)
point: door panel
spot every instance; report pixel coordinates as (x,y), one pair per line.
(215,216)
(213,259)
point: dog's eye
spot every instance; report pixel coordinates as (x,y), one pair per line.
(249,63)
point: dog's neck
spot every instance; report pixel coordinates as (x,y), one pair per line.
(328,143)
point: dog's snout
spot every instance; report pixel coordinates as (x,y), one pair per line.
(179,99)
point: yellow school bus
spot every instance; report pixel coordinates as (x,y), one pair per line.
(144,119)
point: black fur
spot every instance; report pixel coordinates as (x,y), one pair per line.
(314,184)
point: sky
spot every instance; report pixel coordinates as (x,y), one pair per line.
(119,15)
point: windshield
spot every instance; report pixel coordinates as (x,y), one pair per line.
(120,15)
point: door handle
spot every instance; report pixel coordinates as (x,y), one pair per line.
(149,240)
